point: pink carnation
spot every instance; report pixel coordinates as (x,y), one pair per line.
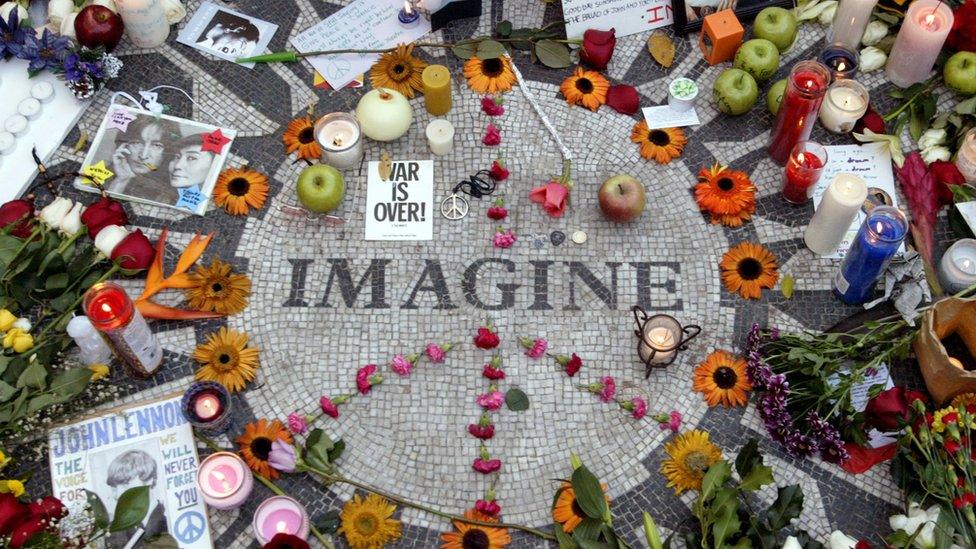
(609,388)
(493,373)
(493,136)
(492,106)
(490,508)
(363,378)
(537,349)
(673,422)
(297,423)
(491,401)
(497,213)
(328,407)
(486,466)
(640,408)
(401,365)
(504,239)
(484,432)
(435,353)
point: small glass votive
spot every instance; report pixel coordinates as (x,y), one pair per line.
(845,104)
(957,269)
(408,16)
(280,514)
(341,140)
(224,480)
(803,169)
(207,406)
(841,61)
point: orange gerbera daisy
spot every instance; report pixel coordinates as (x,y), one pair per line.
(587,88)
(489,75)
(747,268)
(727,195)
(399,70)
(566,511)
(239,189)
(475,536)
(300,136)
(661,145)
(255,444)
(722,379)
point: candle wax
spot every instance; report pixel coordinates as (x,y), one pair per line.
(207,407)
(281,521)
(338,135)
(223,479)
(966,265)
(802,173)
(437,89)
(660,338)
(876,243)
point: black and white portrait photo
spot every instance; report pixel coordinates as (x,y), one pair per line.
(226,33)
(118,469)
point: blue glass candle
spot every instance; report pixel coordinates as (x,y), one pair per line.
(841,60)
(876,243)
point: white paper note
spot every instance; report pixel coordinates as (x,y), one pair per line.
(626,16)
(666,117)
(968,212)
(401,208)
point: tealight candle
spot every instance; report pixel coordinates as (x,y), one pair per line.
(29,108)
(841,60)
(850,20)
(923,32)
(966,157)
(340,138)
(846,103)
(957,269)
(280,514)
(878,239)
(15,124)
(7,142)
(803,170)
(440,136)
(207,406)
(797,114)
(838,207)
(682,93)
(42,91)
(224,480)
(661,335)
(408,17)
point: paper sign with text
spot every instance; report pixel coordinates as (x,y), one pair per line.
(401,208)
(626,16)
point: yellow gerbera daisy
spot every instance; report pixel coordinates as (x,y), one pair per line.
(227,359)
(217,289)
(689,457)
(366,523)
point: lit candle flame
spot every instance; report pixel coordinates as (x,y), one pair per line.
(841,66)
(281,526)
(222,479)
(406,7)
(929,21)
(106,308)
(879,228)
(799,158)
(337,141)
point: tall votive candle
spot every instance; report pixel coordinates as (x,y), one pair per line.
(876,243)
(437,89)
(838,207)
(145,22)
(923,32)
(805,89)
(850,20)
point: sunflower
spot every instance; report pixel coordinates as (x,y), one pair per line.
(227,359)
(727,195)
(661,145)
(961,401)
(398,70)
(300,136)
(587,88)
(689,457)
(255,444)
(217,289)
(722,379)
(566,511)
(747,268)
(366,523)
(238,190)
(489,75)
(474,536)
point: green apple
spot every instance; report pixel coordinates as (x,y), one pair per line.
(321,188)
(778,25)
(758,57)
(775,95)
(735,91)
(960,73)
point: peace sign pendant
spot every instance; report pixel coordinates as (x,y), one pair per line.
(454,207)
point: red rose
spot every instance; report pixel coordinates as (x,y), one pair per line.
(623,99)
(12,513)
(286,541)
(49,508)
(863,544)
(486,339)
(26,530)
(945,174)
(135,250)
(962,37)
(870,121)
(598,48)
(888,410)
(103,213)
(21,212)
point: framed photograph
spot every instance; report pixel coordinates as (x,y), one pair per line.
(688,14)
(162,160)
(226,34)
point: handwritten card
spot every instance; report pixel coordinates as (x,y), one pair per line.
(365,25)
(666,117)
(626,16)
(870,162)
(873,382)
(402,207)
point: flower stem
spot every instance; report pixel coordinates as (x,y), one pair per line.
(71,308)
(928,87)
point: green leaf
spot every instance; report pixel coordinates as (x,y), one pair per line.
(523,36)
(33,376)
(337,448)
(786,286)
(504,29)
(896,93)
(162,541)
(329,522)
(589,494)
(56,282)
(70,382)
(44,540)
(42,401)
(651,533)
(6,391)
(562,538)
(8,249)
(465,51)
(748,458)
(131,508)
(98,510)
(725,510)
(588,530)
(967,107)
(489,49)
(759,477)
(714,478)
(317,448)
(516,400)
(553,54)
(944,530)
(788,506)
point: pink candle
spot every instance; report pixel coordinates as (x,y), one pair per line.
(224,480)
(207,407)
(280,514)
(924,31)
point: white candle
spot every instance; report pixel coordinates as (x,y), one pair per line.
(840,203)
(845,104)
(7,142)
(42,91)
(145,22)
(15,124)
(922,34)
(957,269)
(440,136)
(341,140)
(29,107)
(660,338)
(850,19)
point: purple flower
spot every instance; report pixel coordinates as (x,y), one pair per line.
(75,69)
(800,445)
(834,452)
(401,365)
(757,371)
(46,52)
(282,456)
(11,35)
(752,340)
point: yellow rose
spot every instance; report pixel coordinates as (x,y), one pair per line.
(17,340)
(4,460)
(99,371)
(15,487)
(7,320)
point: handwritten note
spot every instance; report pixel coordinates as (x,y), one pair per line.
(120,118)
(626,16)
(97,173)
(364,24)
(870,162)
(666,117)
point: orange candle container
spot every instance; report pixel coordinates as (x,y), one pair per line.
(437,89)
(721,35)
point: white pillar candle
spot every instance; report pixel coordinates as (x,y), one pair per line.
(440,136)
(838,206)
(341,140)
(850,19)
(923,32)
(845,104)
(145,22)
(957,269)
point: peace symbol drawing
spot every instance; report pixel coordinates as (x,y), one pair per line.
(189,527)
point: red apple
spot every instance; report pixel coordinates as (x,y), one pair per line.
(622,198)
(98,26)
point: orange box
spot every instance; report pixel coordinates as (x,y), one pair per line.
(720,37)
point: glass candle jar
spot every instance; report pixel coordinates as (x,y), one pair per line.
(876,243)
(805,90)
(341,140)
(803,169)
(850,20)
(113,313)
(207,406)
(840,60)
(845,104)
(224,480)
(966,157)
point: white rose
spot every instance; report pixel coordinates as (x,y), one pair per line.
(68,25)
(931,138)
(874,32)
(827,15)
(8,7)
(22,323)
(175,12)
(71,223)
(57,10)
(872,59)
(109,237)
(932,154)
(791,543)
(110,4)
(840,540)
(52,214)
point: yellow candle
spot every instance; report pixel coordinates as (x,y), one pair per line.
(437,89)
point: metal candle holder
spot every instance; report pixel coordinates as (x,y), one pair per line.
(654,356)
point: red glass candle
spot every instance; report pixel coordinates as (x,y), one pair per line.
(803,169)
(113,313)
(797,115)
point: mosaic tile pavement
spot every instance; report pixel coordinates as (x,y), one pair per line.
(317,319)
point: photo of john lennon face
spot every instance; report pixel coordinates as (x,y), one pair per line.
(229,35)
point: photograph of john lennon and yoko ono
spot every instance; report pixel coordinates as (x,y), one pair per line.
(156,159)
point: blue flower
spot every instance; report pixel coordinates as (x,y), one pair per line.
(46,52)
(11,35)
